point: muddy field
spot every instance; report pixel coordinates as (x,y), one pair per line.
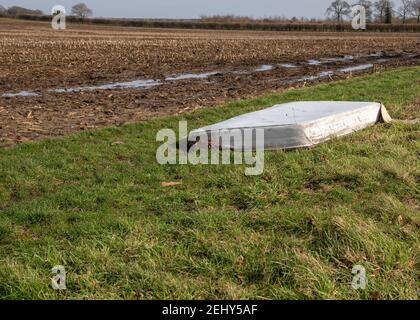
(54,83)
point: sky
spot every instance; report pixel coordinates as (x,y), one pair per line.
(187,8)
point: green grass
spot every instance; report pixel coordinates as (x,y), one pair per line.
(99,209)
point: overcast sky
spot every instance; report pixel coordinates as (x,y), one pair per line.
(187,8)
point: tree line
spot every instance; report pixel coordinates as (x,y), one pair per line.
(383,16)
(382,11)
(80,10)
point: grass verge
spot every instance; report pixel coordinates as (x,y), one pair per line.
(98,208)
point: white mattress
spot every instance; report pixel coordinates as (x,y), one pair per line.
(300,124)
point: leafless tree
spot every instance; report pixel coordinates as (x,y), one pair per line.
(3,11)
(81,10)
(405,9)
(338,10)
(415,9)
(382,7)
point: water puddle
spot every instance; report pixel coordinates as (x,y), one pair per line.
(337,59)
(329,73)
(20,94)
(288,65)
(109,86)
(373,55)
(264,67)
(314,62)
(360,67)
(189,76)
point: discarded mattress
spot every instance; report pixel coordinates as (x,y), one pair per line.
(297,124)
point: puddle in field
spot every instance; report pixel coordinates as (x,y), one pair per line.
(288,65)
(328,73)
(264,67)
(116,85)
(373,55)
(314,62)
(20,94)
(338,59)
(189,76)
(360,67)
